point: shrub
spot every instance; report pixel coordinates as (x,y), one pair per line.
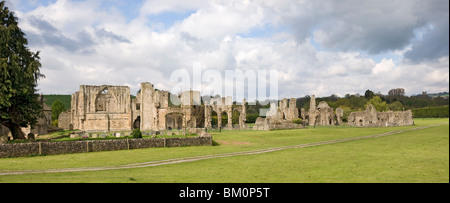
(136,133)
(297,121)
(251,118)
(431,112)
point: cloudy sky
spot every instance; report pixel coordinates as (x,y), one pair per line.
(318,47)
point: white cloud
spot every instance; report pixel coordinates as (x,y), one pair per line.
(385,66)
(84,43)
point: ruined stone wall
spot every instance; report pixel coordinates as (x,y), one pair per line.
(64,120)
(371,118)
(53,148)
(325,114)
(161,102)
(110,108)
(274,124)
(155,113)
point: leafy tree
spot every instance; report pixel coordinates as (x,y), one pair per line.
(397,92)
(396,106)
(235,117)
(251,118)
(379,104)
(19,72)
(57,108)
(357,103)
(347,112)
(368,94)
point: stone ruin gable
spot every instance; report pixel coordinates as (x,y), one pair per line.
(326,115)
(101,108)
(371,118)
(321,115)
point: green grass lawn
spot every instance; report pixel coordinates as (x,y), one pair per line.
(413,156)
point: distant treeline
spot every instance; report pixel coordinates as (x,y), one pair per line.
(65,99)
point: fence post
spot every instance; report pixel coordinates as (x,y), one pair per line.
(40,148)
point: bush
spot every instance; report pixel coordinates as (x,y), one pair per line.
(136,133)
(297,121)
(431,112)
(251,118)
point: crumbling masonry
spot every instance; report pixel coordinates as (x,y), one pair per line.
(371,118)
(279,117)
(322,115)
(111,108)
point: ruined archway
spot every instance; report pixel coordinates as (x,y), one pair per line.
(224,119)
(214,119)
(137,122)
(235,117)
(174,121)
(105,101)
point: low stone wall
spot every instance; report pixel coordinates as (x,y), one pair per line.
(53,148)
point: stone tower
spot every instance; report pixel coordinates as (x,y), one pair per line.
(312,103)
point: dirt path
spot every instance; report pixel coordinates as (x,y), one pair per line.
(197,158)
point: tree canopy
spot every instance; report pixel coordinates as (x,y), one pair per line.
(57,108)
(19,72)
(377,103)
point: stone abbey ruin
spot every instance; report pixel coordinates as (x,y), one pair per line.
(112,108)
(371,118)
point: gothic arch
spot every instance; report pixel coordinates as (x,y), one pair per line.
(105,101)
(174,120)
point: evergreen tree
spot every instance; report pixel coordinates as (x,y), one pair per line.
(19,72)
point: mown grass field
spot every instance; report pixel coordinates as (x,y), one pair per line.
(413,156)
